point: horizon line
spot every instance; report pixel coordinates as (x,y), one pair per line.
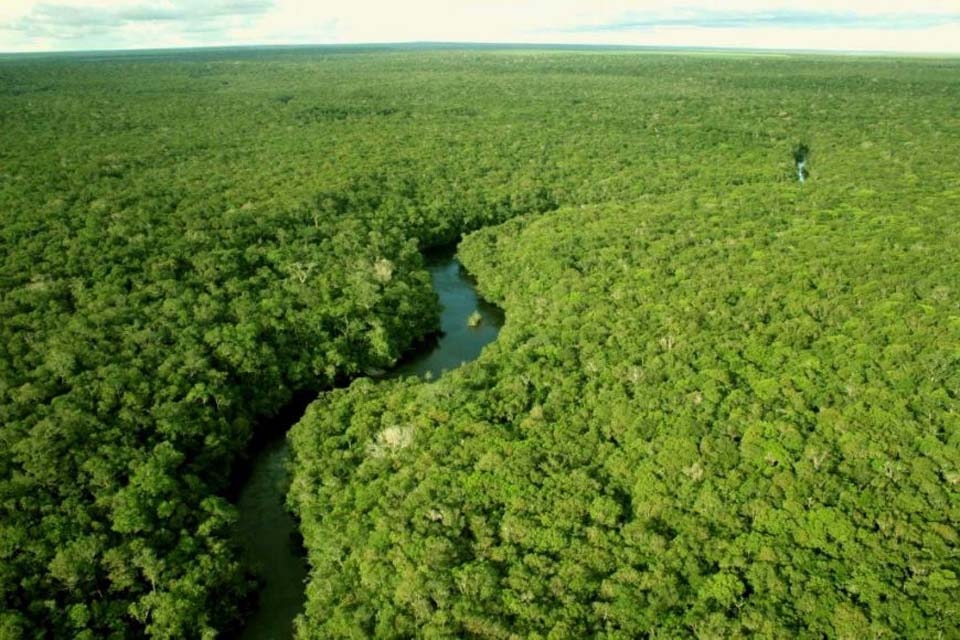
(491,45)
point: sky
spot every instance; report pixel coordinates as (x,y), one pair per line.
(931,26)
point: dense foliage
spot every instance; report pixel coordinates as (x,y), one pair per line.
(161,289)
(673,433)
(722,403)
(732,410)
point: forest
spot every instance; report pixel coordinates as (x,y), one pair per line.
(725,401)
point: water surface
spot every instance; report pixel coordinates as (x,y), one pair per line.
(458,342)
(271,542)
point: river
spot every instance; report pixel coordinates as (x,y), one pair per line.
(266,531)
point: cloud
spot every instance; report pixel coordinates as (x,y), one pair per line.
(121,13)
(921,25)
(778,19)
(80,21)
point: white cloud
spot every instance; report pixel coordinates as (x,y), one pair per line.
(893,25)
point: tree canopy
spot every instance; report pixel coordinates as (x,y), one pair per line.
(724,403)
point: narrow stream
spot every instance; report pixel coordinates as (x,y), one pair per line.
(266,531)
(458,342)
(270,540)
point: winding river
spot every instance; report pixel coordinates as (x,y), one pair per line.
(266,531)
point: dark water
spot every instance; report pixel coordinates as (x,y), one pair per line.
(267,532)
(269,536)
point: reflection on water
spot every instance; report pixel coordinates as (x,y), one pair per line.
(458,342)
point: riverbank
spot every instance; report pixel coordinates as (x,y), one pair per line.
(267,532)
